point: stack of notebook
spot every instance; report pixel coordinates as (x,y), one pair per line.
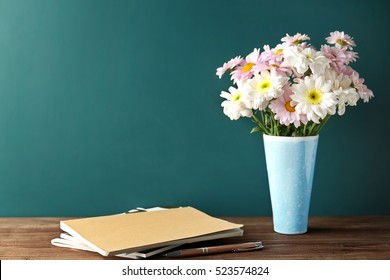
(143,234)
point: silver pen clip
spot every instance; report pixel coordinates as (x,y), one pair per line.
(257,246)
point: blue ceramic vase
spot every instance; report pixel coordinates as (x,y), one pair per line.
(290,166)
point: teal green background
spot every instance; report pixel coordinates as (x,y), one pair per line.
(110,105)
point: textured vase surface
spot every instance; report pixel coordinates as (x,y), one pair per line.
(290,165)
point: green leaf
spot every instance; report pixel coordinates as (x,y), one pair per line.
(256,129)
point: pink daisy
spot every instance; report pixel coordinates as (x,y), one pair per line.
(245,69)
(347,70)
(264,58)
(339,57)
(271,59)
(230,65)
(296,39)
(340,39)
(358,83)
(284,112)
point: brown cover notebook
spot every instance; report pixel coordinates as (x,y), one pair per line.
(111,235)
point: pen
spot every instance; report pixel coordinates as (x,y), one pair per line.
(249,246)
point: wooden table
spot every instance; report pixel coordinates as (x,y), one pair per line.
(327,238)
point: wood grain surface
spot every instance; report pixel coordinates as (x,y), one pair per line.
(327,238)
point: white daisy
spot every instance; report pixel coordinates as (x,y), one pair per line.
(313,97)
(342,88)
(317,61)
(264,87)
(236,103)
(304,58)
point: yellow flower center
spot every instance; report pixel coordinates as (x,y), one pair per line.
(237,97)
(314,96)
(341,42)
(248,67)
(279,51)
(288,107)
(264,85)
(309,56)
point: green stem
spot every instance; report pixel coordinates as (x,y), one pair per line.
(321,125)
(288,129)
(263,118)
(311,129)
(260,124)
(304,130)
(275,126)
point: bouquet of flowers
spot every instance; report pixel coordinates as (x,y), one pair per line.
(293,88)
